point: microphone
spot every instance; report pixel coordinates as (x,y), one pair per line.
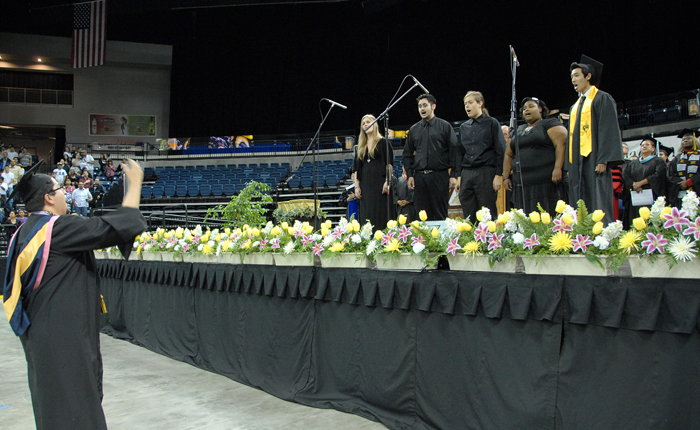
(515,57)
(420,85)
(335,103)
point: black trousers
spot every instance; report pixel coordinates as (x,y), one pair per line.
(432,193)
(476,191)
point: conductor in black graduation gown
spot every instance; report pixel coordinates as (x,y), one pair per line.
(55,308)
(648,172)
(594,143)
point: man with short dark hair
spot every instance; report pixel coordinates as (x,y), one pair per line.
(594,140)
(431,160)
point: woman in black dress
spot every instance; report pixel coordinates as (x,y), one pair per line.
(648,172)
(542,142)
(374,156)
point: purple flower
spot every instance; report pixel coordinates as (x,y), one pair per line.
(581,243)
(482,232)
(531,242)
(694,229)
(495,241)
(676,219)
(453,246)
(317,249)
(404,232)
(655,243)
(560,225)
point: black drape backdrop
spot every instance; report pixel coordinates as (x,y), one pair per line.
(434,350)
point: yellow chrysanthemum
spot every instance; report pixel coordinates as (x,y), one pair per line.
(247,244)
(423,216)
(337,247)
(207,250)
(392,246)
(629,241)
(402,219)
(471,248)
(138,238)
(561,241)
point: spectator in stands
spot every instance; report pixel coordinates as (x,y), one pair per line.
(8,178)
(647,173)
(11,223)
(75,164)
(110,169)
(67,162)
(11,153)
(103,162)
(21,216)
(4,161)
(430,152)
(16,169)
(403,198)
(69,188)
(81,199)
(85,179)
(481,150)
(67,153)
(87,161)
(374,157)
(25,158)
(683,170)
(60,172)
(98,192)
(542,143)
(73,176)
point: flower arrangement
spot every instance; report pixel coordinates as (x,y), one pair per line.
(400,238)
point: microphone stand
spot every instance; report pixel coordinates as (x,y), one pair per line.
(389,170)
(314,185)
(514,127)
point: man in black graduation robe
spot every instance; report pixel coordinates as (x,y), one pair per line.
(590,176)
(61,339)
(683,170)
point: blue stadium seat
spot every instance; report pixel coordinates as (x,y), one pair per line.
(146,192)
(217,189)
(229,189)
(193,190)
(181,191)
(205,190)
(169,191)
(294,182)
(158,191)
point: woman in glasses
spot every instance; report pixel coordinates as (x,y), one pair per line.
(646,173)
(542,142)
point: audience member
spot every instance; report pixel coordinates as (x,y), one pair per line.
(21,216)
(81,199)
(60,172)
(11,224)
(25,158)
(16,169)
(4,161)
(403,198)
(647,173)
(69,188)
(431,158)
(683,170)
(98,191)
(87,161)
(8,178)
(85,179)
(11,153)
(109,169)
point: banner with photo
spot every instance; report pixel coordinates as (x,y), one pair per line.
(122,125)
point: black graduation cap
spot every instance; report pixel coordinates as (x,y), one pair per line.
(589,65)
(667,149)
(30,183)
(685,131)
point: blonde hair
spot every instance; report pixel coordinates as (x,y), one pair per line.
(363,141)
(479,98)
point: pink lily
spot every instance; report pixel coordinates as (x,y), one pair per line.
(482,232)
(495,241)
(453,246)
(694,229)
(676,219)
(404,232)
(418,239)
(655,243)
(388,237)
(275,243)
(581,242)
(317,249)
(560,225)
(305,241)
(531,242)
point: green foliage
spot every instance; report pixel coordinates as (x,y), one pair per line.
(305,214)
(248,207)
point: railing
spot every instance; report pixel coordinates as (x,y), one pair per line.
(33,96)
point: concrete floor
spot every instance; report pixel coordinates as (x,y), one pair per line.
(145,390)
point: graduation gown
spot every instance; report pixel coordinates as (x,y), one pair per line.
(606,148)
(62,343)
(683,168)
(654,171)
(402,192)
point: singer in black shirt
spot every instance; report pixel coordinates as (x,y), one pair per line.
(481,148)
(430,152)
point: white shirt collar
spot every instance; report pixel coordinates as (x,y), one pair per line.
(586,93)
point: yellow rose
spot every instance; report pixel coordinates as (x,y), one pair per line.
(415,224)
(328,224)
(291,230)
(492,226)
(597,228)
(276,231)
(535,217)
(545,217)
(337,247)
(666,211)
(598,215)
(639,224)
(204,238)
(645,213)
(561,205)
(435,232)
(239,231)
(189,237)
(378,235)
(324,231)
(402,219)
(479,214)
(285,225)
(500,219)
(460,227)
(423,216)
(567,219)
(391,224)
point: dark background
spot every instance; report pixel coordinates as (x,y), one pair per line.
(262,69)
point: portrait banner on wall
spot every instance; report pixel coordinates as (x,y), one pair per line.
(122,125)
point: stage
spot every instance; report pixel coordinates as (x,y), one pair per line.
(431,350)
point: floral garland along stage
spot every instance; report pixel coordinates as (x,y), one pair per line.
(664,232)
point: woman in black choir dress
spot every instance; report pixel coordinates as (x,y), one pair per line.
(542,142)
(374,155)
(648,172)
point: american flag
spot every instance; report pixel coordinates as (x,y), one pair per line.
(88,34)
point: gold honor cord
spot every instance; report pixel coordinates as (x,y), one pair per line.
(586,133)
